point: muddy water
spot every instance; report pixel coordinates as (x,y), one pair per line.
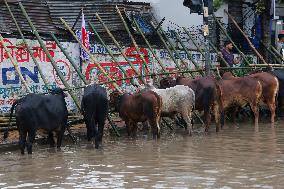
(235,158)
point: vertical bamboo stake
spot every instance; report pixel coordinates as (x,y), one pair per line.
(91,56)
(249,42)
(227,35)
(274,56)
(49,56)
(132,39)
(194,43)
(15,65)
(119,47)
(149,46)
(29,50)
(70,59)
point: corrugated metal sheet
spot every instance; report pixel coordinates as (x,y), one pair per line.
(45,14)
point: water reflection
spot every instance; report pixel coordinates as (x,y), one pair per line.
(234,158)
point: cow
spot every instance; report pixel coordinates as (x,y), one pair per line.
(39,111)
(138,107)
(177,99)
(240,91)
(207,95)
(94,108)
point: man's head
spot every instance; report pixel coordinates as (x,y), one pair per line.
(228,45)
(281,37)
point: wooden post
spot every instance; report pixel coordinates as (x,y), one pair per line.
(119,47)
(15,65)
(227,35)
(132,39)
(24,40)
(249,42)
(70,60)
(53,63)
(91,56)
(149,46)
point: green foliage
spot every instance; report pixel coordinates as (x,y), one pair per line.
(243,72)
(217,4)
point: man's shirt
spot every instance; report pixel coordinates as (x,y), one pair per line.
(228,56)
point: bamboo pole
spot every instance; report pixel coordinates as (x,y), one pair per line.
(119,47)
(249,42)
(171,44)
(109,51)
(15,65)
(194,43)
(24,40)
(91,56)
(132,39)
(53,63)
(227,35)
(70,60)
(149,46)
(277,53)
(188,53)
(271,53)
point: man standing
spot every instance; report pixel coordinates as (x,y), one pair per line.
(228,55)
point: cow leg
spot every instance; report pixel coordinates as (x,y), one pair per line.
(255,109)
(60,135)
(217,118)
(272,109)
(128,127)
(96,134)
(134,130)
(22,140)
(186,115)
(51,139)
(31,135)
(207,118)
(101,125)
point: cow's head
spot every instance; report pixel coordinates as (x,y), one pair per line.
(167,82)
(57,91)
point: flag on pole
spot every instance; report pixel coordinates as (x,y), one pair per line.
(84,36)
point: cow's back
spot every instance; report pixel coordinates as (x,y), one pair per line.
(42,111)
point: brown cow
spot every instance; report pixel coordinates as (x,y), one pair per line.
(207,96)
(270,88)
(138,107)
(241,91)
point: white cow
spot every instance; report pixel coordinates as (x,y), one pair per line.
(177,99)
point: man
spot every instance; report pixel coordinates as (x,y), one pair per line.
(281,43)
(228,55)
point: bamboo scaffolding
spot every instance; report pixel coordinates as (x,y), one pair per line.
(271,53)
(120,49)
(25,42)
(82,77)
(15,65)
(194,43)
(249,42)
(149,46)
(188,53)
(170,43)
(277,53)
(53,63)
(110,53)
(132,39)
(91,56)
(227,35)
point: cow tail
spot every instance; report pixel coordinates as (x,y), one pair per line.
(219,96)
(6,133)
(159,99)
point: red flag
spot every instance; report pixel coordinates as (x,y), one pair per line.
(84,39)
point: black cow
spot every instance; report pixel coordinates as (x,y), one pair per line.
(39,111)
(95,110)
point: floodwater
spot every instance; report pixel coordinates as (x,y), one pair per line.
(234,158)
